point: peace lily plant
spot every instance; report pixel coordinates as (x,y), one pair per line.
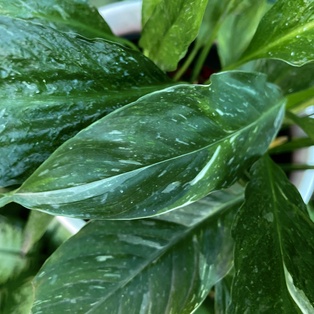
(187,210)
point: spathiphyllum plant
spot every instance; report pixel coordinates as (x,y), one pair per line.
(180,178)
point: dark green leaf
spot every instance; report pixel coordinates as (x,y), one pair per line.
(166,150)
(72,16)
(223,293)
(141,266)
(166,35)
(274,247)
(286,32)
(305,123)
(290,79)
(310,208)
(295,167)
(54,84)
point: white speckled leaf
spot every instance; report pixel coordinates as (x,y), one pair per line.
(274,247)
(166,34)
(286,32)
(141,266)
(54,85)
(166,150)
(77,16)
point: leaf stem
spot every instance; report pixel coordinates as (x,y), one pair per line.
(201,60)
(204,53)
(186,64)
(5,198)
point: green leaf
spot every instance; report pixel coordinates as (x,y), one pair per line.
(166,35)
(18,299)
(286,32)
(148,8)
(215,11)
(11,260)
(238,29)
(274,247)
(76,16)
(310,208)
(36,226)
(141,266)
(290,79)
(223,293)
(299,101)
(166,150)
(306,123)
(55,84)
(292,145)
(296,82)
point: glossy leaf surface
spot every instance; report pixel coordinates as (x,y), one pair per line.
(274,247)
(141,266)
(76,16)
(166,35)
(166,150)
(54,85)
(286,32)
(291,79)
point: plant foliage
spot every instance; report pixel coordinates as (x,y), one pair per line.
(186,205)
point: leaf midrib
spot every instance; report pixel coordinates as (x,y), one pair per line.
(43,194)
(278,235)
(159,254)
(278,40)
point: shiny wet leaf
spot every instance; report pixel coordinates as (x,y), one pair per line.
(286,32)
(166,35)
(76,16)
(166,150)
(141,266)
(54,85)
(274,247)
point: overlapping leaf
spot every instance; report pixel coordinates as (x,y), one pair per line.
(306,123)
(54,84)
(11,261)
(17,297)
(166,35)
(238,28)
(75,16)
(290,79)
(148,8)
(274,247)
(296,82)
(286,32)
(141,266)
(166,150)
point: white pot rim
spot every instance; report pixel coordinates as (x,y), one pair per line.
(123,17)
